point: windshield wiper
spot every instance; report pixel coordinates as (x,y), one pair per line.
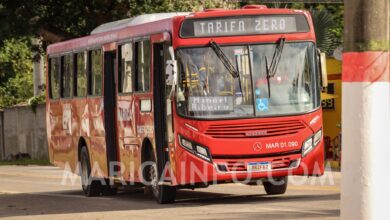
(276,57)
(268,76)
(226,62)
(271,70)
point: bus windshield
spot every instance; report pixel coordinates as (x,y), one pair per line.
(206,89)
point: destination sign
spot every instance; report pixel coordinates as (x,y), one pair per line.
(248,25)
(211,103)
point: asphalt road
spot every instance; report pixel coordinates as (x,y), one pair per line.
(36,192)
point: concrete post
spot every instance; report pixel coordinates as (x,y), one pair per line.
(38,71)
(365,188)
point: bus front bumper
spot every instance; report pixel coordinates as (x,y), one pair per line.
(188,169)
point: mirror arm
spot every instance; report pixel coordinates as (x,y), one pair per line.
(174,70)
(322,68)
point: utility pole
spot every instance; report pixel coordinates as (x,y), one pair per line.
(38,70)
(365,184)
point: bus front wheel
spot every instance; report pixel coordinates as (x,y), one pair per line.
(90,186)
(162,193)
(276,186)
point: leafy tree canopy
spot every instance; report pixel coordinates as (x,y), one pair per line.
(54,21)
(16,78)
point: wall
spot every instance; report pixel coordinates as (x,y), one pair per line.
(332,117)
(25,131)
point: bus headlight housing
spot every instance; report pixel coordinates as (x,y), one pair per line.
(186,143)
(195,148)
(311,143)
(317,137)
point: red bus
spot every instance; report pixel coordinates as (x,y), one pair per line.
(185,100)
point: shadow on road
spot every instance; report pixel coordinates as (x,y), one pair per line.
(67,202)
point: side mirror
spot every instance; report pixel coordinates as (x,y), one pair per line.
(180,96)
(170,71)
(171,52)
(323,70)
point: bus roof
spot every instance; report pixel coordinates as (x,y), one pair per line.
(133,21)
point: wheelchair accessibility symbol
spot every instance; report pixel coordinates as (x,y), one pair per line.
(262,105)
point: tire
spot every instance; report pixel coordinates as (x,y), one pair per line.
(90,186)
(276,186)
(162,193)
(108,190)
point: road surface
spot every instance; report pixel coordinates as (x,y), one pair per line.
(37,192)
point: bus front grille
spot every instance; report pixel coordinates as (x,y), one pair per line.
(252,130)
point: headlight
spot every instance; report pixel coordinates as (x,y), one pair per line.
(311,143)
(317,137)
(186,143)
(194,148)
(307,146)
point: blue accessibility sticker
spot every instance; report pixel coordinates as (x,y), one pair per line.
(262,105)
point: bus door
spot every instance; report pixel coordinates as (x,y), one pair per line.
(125,108)
(143,98)
(162,106)
(109,110)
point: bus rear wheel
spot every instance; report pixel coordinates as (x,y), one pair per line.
(90,186)
(276,186)
(162,193)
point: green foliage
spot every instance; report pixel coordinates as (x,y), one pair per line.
(55,21)
(323,22)
(34,101)
(16,72)
(140,7)
(336,11)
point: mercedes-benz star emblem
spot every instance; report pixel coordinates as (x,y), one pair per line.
(257,146)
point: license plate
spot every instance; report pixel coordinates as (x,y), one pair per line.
(259,166)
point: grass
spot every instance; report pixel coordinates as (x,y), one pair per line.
(25,162)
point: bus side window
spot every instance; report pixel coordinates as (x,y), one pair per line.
(96,73)
(54,77)
(126,68)
(81,75)
(67,76)
(142,67)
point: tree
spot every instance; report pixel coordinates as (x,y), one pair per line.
(55,21)
(16,79)
(323,22)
